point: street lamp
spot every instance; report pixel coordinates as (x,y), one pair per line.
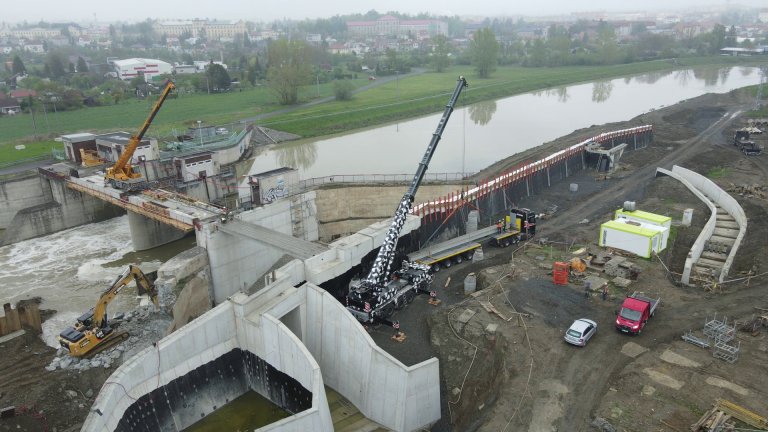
(200,131)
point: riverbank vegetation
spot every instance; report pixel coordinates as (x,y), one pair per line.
(398,99)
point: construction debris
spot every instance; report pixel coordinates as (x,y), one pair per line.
(749,191)
(622,267)
(742,414)
(713,420)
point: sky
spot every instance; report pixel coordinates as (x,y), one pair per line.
(268,10)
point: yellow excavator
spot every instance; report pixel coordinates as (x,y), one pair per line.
(122,175)
(92,332)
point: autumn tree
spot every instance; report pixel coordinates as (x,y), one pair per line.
(288,69)
(484,49)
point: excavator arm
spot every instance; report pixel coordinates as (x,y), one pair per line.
(144,283)
(122,170)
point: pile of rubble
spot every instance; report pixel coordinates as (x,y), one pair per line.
(145,325)
(755,190)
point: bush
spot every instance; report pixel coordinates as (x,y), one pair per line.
(343,89)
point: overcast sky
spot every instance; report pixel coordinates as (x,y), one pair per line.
(268,10)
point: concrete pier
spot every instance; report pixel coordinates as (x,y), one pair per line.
(148,233)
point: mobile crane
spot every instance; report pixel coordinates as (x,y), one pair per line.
(92,332)
(122,175)
(374,298)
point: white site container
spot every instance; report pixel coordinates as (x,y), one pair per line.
(647,218)
(639,239)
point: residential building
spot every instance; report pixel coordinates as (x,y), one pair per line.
(390,25)
(213,30)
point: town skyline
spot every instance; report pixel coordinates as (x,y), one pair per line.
(231,10)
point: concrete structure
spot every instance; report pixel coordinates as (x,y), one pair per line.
(303,333)
(110,146)
(128,69)
(57,208)
(726,226)
(270,186)
(73,143)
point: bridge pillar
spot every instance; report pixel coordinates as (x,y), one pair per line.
(148,233)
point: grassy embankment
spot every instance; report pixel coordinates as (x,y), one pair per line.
(399,99)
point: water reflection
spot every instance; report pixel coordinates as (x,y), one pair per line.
(724,72)
(683,76)
(601,91)
(708,75)
(746,71)
(474,145)
(481,113)
(652,77)
(297,156)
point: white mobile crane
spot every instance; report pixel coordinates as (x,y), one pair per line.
(375,298)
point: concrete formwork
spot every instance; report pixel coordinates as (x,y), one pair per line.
(304,338)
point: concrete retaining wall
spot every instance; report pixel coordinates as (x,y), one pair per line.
(383,389)
(238,262)
(348,209)
(20,193)
(67,209)
(148,233)
(717,195)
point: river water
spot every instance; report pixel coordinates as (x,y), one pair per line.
(69,269)
(480,134)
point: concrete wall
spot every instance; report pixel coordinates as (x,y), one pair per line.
(216,333)
(148,233)
(345,210)
(724,200)
(383,389)
(20,193)
(184,284)
(237,262)
(67,209)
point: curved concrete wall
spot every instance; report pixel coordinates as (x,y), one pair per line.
(216,333)
(724,200)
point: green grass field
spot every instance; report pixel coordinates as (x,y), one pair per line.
(399,99)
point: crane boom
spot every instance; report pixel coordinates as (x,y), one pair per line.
(121,173)
(376,296)
(380,270)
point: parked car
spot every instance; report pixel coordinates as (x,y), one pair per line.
(580,331)
(222,131)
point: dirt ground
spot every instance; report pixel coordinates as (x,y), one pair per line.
(524,377)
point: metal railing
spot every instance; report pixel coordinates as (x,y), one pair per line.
(380,179)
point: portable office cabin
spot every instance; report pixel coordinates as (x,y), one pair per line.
(647,218)
(641,240)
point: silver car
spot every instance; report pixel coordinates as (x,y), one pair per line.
(580,331)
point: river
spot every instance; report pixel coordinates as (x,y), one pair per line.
(69,269)
(480,134)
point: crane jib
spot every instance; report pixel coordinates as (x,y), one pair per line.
(380,270)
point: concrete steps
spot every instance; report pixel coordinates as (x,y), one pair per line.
(714,256)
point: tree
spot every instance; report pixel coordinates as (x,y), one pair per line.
(18,66)
(81,65)
(342,89)
(442,49)
(54,65)
(288,69)
(218,77)
(484,50)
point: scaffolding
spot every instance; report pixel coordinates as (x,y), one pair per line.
(718,333)
(726,352)
(719,330)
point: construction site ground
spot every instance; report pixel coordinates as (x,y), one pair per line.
(526,377)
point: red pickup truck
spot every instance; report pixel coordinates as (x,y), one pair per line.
(634,313)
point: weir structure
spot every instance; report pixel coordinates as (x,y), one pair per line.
(293,337)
